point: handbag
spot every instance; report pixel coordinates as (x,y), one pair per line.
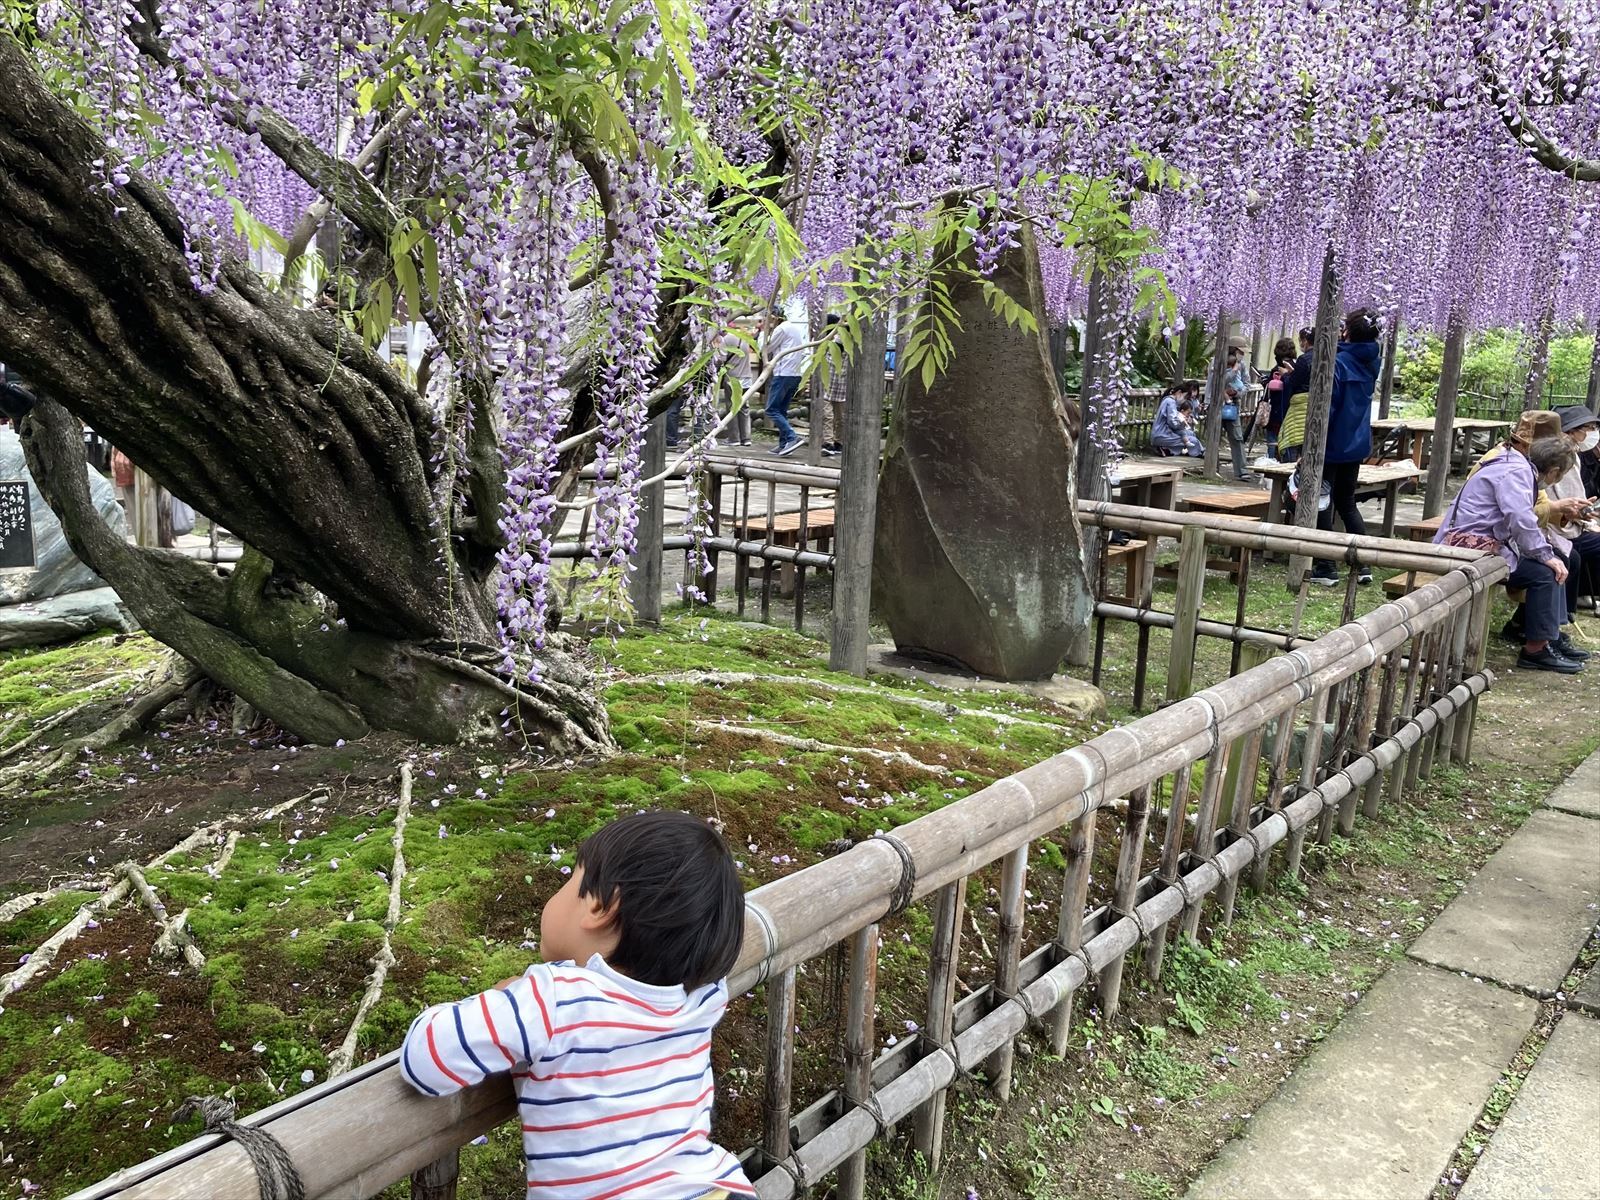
(1230,411)
(1472,541)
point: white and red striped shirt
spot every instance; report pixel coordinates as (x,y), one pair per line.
(613,1079)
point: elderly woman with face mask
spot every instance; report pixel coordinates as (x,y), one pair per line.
(1566,514)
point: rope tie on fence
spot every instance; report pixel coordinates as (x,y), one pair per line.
(275,1174)
(1212,725)
(1258,850)
(900,898)
(869,1104)
(1182,884)
(1302,684)
(795,1170)
(1138,923)
(769,939)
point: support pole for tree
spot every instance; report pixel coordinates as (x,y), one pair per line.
(1092,482)
(145,517)
(1182,361)
(1391,348)
(857,516)
(1539,365)
(644,583)
(1318,401)
(1444,411)
(1593,398)
(1216,378)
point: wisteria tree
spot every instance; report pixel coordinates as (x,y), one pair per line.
(580,199)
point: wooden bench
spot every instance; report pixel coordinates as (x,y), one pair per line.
(1407,582)
(1131,554)
(785,532)
(1423,531)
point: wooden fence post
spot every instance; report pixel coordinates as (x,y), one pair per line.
(1444,411)
(1008,958)
(776,1140)
(1069,932)
(1191,589)
(1125,897)
(644,578)
(927,1136)
(437,1180)
(857,503)
(1391,349)
(859,1047)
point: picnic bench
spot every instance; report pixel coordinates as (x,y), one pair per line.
(1146,484)
(1423,530)
(1412,437)
(785,531)
(1381,481)
(1246,504)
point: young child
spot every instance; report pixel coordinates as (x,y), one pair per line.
(609,1040)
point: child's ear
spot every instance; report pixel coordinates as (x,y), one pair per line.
(594,916)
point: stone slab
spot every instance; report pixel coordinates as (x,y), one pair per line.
(57,570)
(1378,1109)
(1548,1145)
(62,618)
(1075,696)
(1580,792)
(1587,997)
(1527,913)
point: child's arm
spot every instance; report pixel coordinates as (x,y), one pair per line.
(453,1046)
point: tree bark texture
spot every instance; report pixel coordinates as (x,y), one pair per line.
(1444,412)
(1539,362)
(1391,351)
(1318,401)
(1215,380)
(1593,397)
(1092,459)
(273,420)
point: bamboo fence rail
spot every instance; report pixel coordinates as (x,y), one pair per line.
(1342,722)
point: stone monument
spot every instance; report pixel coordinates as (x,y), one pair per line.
(978,559)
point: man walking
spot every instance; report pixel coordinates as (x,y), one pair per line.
(786,349)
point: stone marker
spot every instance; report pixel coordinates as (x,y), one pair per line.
(62,618)
(1073,696)
(1523,918)
(1378,1109)
(57,570)
(977,560)
(1548,1145)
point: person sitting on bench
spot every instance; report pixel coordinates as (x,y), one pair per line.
(1171,433)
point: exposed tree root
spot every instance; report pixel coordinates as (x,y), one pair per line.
(18,905)
(215,869)
(135,716)
(116,891)
(342,1058)
(811,744)
(943,708)
(62,717)
(174,939)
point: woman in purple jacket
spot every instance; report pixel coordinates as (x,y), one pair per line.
(1494,511)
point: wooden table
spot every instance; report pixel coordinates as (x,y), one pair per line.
(1414,436)
(1147,484)
(1252,503)
(1383,480)
(785,532)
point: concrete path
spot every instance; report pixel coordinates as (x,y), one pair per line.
(1524,916)
(1378,1110)
(1545,1148)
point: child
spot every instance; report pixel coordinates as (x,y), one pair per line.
(611,1059)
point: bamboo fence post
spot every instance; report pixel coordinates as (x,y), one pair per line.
(1069,932)
(1171,865)
(1008,958)
(1381,728)
(1421,700)
(927,1135)
(777,1140)
(1130,858)
(741,525)
(1345,705)
(1444,653)
(800,567)
(1277,770)
(1477,646)
(1366,716)
(1205,824)
(856,505)
(1235,659)
(858,1048)
(711,491)
(1186,606)
(1397,773)
(766,563)
(437,1180)
(1242,798)
(1310,762)
(1459,630)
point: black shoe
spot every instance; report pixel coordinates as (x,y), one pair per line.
(831,451)
(1548,660)
(1564,646)
(1324,578)
(1363,576)
(1512,632)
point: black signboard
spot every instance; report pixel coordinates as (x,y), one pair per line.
(16,525)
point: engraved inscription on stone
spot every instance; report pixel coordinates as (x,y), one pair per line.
(16,525)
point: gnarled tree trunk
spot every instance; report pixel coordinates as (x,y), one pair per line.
(362,603)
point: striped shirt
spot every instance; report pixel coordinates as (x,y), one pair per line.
(613,1079)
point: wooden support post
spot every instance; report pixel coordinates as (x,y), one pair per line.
(927,1136)
(1008,958)
(857,504)
(1365,719)
(1069,932)
(1397,773)
(144,518)
(1539,359)
(644,579)
(777,1141)
(1277,773)
(1477,647)
(1444,411)
(437,1180)
(1382,726)
(1391,348)
(859,1048)
(1318,402)
(1186,604)
(1443,637)
(1092,483)
(1310,764)
(1130,858)
(1171,865)
(1456,671)
(1215,379)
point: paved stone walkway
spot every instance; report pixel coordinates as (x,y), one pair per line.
(1377,1111)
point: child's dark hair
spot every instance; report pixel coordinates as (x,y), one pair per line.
(680,907)
(1362,325)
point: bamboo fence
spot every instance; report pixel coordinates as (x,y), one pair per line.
(1341,723)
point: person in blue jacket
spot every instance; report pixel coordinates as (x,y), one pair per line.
(1355,373)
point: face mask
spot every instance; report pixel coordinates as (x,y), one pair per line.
(1590,440)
